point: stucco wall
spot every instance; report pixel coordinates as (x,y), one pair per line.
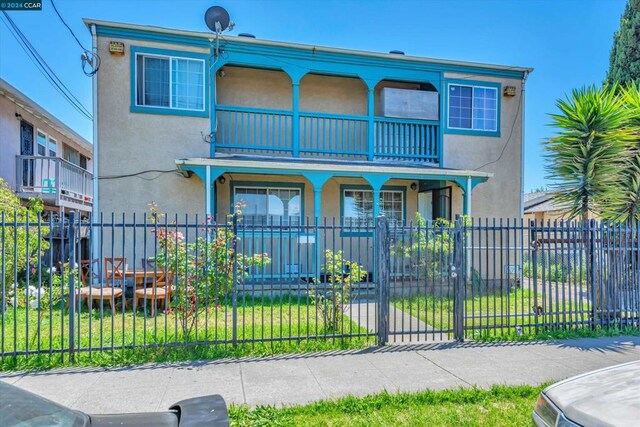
(131,143)
(501,195)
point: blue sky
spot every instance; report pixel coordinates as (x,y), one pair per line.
(566,41)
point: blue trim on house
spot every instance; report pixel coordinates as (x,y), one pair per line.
(165,110)
(344,187)
(472,132)
(344,63)
(268,184)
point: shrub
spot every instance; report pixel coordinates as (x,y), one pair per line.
(14,238)
(205,270)
(331,297)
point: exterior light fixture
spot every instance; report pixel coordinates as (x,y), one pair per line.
(222,180)
(414,186)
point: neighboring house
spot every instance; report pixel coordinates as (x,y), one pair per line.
(41,156)
(539,206)
(297,132)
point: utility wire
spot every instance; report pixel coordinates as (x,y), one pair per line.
(88,56)
(68,28)
(44,68)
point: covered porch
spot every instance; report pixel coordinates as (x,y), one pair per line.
(296,210)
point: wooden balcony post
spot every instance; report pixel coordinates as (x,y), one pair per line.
(370,124)
(295,125)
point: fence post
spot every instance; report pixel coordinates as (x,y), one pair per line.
(383,266)
(457,276)
(596,298)
(533,247)
(72,284)
(234,281)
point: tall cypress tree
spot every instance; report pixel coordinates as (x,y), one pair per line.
(624,61)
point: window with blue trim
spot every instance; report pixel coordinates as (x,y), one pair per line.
(473,108)
(170,82)
(269,206)
(358,207)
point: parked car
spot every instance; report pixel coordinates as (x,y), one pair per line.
(606,397)
(19,407)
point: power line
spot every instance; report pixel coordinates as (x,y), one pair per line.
(44,67)
(68,28)
(88,57)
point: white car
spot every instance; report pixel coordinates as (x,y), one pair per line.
(606,397)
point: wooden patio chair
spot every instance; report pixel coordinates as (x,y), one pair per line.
(160,290)
(89,292)
(114,270)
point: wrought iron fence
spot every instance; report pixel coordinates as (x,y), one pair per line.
(154,282)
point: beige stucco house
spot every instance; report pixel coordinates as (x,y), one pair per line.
(41,156)
(300,133)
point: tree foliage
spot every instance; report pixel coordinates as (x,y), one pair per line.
(592,148)
(19,249)
(624,60)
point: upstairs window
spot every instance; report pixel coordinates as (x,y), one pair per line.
(42,143)
(53,147)
(473,108)
(170,82)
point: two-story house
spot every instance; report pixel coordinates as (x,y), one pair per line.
(41,156)
(299,133)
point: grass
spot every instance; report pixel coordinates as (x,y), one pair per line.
(283,325)
(498,406)
(494,315)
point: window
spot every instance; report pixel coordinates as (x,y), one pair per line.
(269,206)
(42,144)
(53,147)
(71,155)
(170,82)
(358,207)
(473,108)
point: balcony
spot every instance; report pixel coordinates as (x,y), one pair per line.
(55,180)
(326,136)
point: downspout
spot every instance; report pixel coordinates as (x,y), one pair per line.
(94,81)
(94,92)
(522,92)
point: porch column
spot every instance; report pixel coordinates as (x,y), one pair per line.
(209,189)
(295,118)
(317,179)
(371,126)
(466,208)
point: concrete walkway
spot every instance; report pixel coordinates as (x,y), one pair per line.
(292,379)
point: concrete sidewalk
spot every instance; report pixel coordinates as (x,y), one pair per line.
(291,379)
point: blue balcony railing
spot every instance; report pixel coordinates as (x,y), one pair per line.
(322,135)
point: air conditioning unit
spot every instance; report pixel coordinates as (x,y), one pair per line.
(409,104)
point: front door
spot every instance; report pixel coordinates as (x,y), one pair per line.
(26,149)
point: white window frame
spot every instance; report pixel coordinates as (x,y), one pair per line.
(267,189)
(54,141)
(37,142)
(472,87)
(170,58)
(365,190)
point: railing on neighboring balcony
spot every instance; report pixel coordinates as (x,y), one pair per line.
(323,135)
(55,180)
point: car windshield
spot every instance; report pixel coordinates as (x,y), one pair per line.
(21,408)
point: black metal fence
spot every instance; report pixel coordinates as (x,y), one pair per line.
(150,281)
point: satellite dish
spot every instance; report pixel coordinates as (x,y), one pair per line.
(217,19)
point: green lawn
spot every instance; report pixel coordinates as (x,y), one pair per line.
(283,324)
(493,315)
(499,406)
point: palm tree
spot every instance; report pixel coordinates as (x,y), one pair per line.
(591,148)
(624,198)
